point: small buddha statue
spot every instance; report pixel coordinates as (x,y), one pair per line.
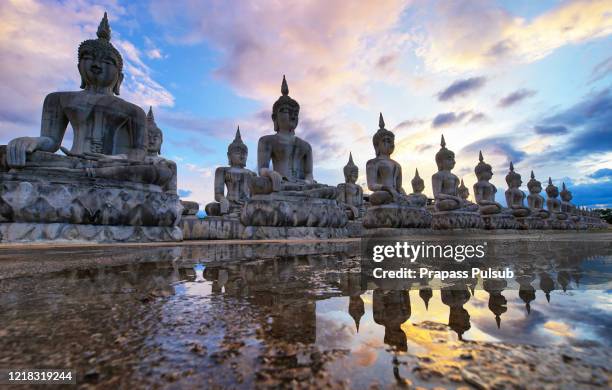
(535,201)
(290,155)
(110,134)
(444,182)
(566,198)
(464,194)
(552,203)
(514,196)
(384,175)
(236,178)
(349,193)
(417,198)
(484,191)
(155,138)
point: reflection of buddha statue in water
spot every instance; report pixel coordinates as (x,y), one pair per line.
(391,309)
(109,133)
(290,155)
(497,302)
(514,196)
(349,193)
(384,175)
(455,297)
(526,290)
(236,178)
(484,191)
(535,201)
(547,284)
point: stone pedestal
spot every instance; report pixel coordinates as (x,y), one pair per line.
(535,223)
(85,209)
(396,216)
(355,228)
(499,221)
(279,210)
(456,219)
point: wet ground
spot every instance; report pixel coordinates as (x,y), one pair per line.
(274,315)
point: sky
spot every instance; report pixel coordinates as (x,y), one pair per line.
(523,81)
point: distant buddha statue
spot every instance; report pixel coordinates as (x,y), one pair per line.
(444,182)
(464,194)
(514,196)
(109,133)
(236,178)
(349,193)
(566,200)
(417,198)
(155,138)
(484,191)
(535,201)
(384,175)
(552,203)
(291,156)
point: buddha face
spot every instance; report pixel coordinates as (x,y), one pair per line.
(237,157)
(418,186)
(286,118)
(386,145)
(351,176)
(155,141)
(448,162)
(535,189)
(516,182)
(463,193)
(485,175)
(552,191)
(98,68)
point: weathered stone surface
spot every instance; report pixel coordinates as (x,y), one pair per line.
(189,207)
(534,222)
(355,228)
(29,197)
(499,221)
(456,219)
(223,228)
(396,216)
(349,194)
(40,232)
(284,210)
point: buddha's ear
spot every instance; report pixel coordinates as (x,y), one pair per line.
(118,83)
(82,78)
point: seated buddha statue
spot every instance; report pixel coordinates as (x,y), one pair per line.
(514,196)
(349,193)
(417,198)
(464,194)
(484,191)
(110,134)
(444,182)
(155,138)
(291,156)
(384,175)
(535,201)
(552,203)
(236,178)
(566,200)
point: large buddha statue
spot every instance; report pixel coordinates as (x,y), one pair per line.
(236,178)
(535,201)
(349,193)
(484,191)
(515,198)
(291,156)
(452,210)
(110,176)
(390,206)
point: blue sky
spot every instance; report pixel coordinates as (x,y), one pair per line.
(524,81)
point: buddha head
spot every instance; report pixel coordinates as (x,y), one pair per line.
(351,171)
(534,186)
(155,137)
(483,170)
(566,194)
(513,179)
(237,151)
(285,111)
(418,185)
(445,159)
(383,140)
(463,191)
(100,64)
(551,190)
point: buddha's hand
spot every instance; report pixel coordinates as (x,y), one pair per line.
(274,176)
(18,148)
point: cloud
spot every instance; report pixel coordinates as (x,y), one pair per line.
(551,130)
(461,88)
(601,174)
(601,70)
(593,194)
(515,97)
(466,35)
(449,118)
(39,40)
(183,193)
(500,146)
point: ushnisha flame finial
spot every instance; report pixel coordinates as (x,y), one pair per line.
(511,167)
(563,186)
(104,30)
(480,158)
(550,181)
(238,138)
(381,121)
(416,173)
(532,175)
(150,114)
(284,87)
(442,141)
(350,161)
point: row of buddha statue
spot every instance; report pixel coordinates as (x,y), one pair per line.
(113,185)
